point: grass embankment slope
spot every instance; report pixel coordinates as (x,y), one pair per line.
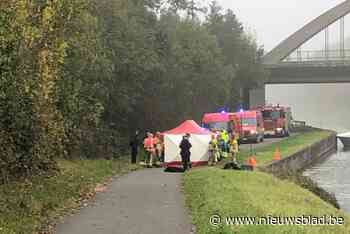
(28,205)
(253,194)
(288,146)
(256,194)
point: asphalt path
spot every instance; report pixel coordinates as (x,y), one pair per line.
(144,202)
(147,201)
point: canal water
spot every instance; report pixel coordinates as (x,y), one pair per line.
(333,175)
(325,106)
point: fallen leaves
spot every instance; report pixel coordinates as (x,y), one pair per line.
(100,188)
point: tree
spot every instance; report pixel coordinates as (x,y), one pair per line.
(32,36)
(240,52)
(76,77)
(193,7)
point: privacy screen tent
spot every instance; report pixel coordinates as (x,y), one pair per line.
(199,139)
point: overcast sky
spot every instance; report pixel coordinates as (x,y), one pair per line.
(274,20)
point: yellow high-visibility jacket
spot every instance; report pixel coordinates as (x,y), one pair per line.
(213,144)
(234,146)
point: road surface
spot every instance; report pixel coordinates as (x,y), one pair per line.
(144,202)
(267,141)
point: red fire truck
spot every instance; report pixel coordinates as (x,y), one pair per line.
(216,121)
(251,126)
(277,120)
(247,126)
(222,121)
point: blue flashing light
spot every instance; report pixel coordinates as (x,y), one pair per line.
(241,110)
(223,112)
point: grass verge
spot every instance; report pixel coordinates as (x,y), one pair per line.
(212,191)
(288,146)
(28,206)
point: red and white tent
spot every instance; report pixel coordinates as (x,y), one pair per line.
(199,139)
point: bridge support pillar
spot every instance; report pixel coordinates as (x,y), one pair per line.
(257,97)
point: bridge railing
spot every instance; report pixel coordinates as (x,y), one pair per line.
(320,63)
(318,56)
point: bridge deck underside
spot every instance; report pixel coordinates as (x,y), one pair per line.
(308,74)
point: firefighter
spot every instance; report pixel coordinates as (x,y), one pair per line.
(233,148)
(220,147)
(224,139)
(213,151)
(185,153)
(148,144)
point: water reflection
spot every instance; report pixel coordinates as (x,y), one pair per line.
(333,175)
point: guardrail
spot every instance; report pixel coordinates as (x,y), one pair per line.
(297,123)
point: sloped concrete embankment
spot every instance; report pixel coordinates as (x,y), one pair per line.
(307,157)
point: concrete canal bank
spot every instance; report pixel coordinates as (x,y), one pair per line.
(306,157)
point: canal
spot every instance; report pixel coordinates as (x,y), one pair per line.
(325,106)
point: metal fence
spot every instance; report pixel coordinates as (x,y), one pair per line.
(318,56)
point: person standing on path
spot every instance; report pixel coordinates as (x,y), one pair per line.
(134,145)
(148,144)
(158,146)
(185,147)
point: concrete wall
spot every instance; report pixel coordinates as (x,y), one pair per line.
(257,97)
(304,158)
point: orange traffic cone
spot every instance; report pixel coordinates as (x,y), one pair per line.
(252,161)
(277,154)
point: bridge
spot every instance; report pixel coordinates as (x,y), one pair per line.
(289,63)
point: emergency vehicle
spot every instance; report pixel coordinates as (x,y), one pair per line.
(222,121)
(251,126)
(277,120)
(216,121)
